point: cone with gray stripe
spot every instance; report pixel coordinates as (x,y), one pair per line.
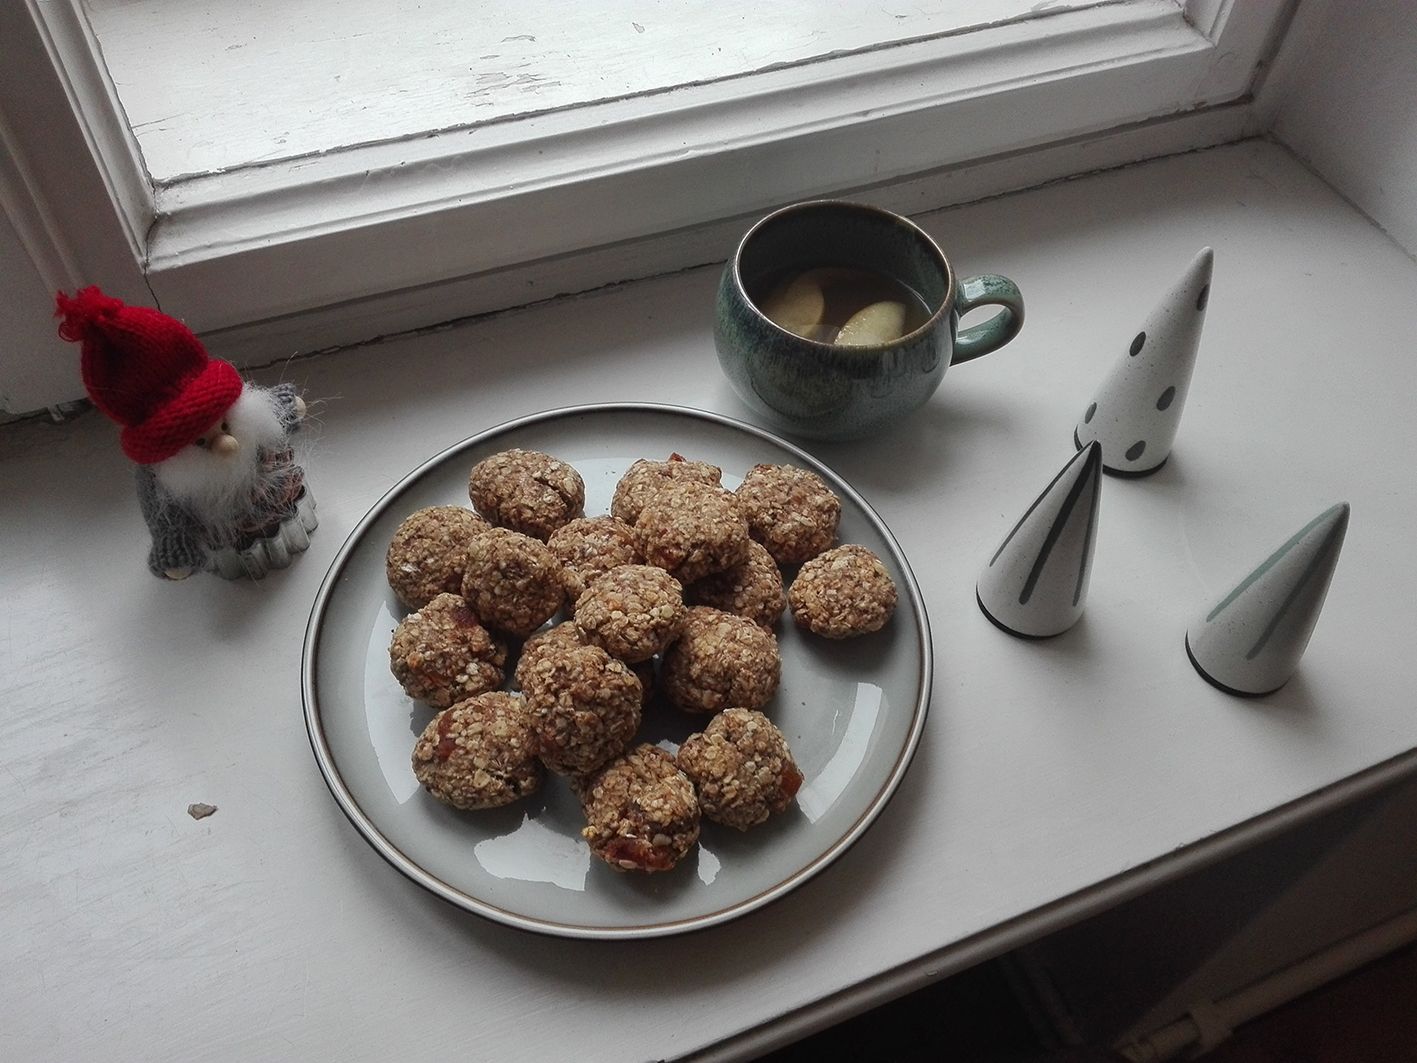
(1136,412)
(1251,640)
(1035,585)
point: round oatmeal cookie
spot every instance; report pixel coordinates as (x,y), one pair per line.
(441,654)
(567,634)
(741,767)
(589,547)
(692,530)
(790,511)
(720,661)
(753,589)
(559,636)
(843,592)
(632,612)
(426,554)
(512,582)
(480,753)
(645,478)
(585,706)
(527,491)
(641,812)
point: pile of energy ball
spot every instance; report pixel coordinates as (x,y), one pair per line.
(681,571)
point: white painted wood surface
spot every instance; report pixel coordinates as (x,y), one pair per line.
(1050,776)
(264,342)
(284,248)
(494,196)
(485,197)
(223,84)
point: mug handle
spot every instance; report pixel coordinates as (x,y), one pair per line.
(988,289)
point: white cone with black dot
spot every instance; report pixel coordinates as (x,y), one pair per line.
(1035,584)
(1250,641)
(1136,412)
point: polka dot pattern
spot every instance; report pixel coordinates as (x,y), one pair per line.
(1135,411)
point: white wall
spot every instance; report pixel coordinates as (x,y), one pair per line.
(1349,105)
(34,362)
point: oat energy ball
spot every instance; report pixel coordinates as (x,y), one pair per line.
(790,511)
(585,706)
(560,636)
(527,491)
(720,661)
(692,530)
(426,554)
(741,767)
(645,478)
(567,634)
(512,582)
(632,612)
(843,592)
(589,547)
(441,654)
(481,753)
(752,589)
(641,812)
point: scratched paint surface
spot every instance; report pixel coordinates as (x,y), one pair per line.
(231,83)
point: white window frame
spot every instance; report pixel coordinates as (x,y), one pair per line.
(267,260)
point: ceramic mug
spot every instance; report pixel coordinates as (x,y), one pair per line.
(828,391)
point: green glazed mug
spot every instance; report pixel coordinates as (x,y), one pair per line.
(823,390)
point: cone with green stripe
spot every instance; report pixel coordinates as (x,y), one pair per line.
(1250,641)
(1035,584)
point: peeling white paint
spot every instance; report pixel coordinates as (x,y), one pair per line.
(240,73)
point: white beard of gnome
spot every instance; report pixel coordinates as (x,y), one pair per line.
(237,479)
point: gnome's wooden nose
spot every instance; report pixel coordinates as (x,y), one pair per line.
(225,444)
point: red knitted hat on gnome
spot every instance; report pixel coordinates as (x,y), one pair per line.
(148,372)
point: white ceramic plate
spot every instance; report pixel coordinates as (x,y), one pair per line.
(852,711)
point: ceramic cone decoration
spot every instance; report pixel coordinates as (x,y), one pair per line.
(1135,413)
(1250,642)
(1035,585)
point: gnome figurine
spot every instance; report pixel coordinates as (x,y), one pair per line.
(217,480)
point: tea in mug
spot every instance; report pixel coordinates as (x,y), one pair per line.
(842,305)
